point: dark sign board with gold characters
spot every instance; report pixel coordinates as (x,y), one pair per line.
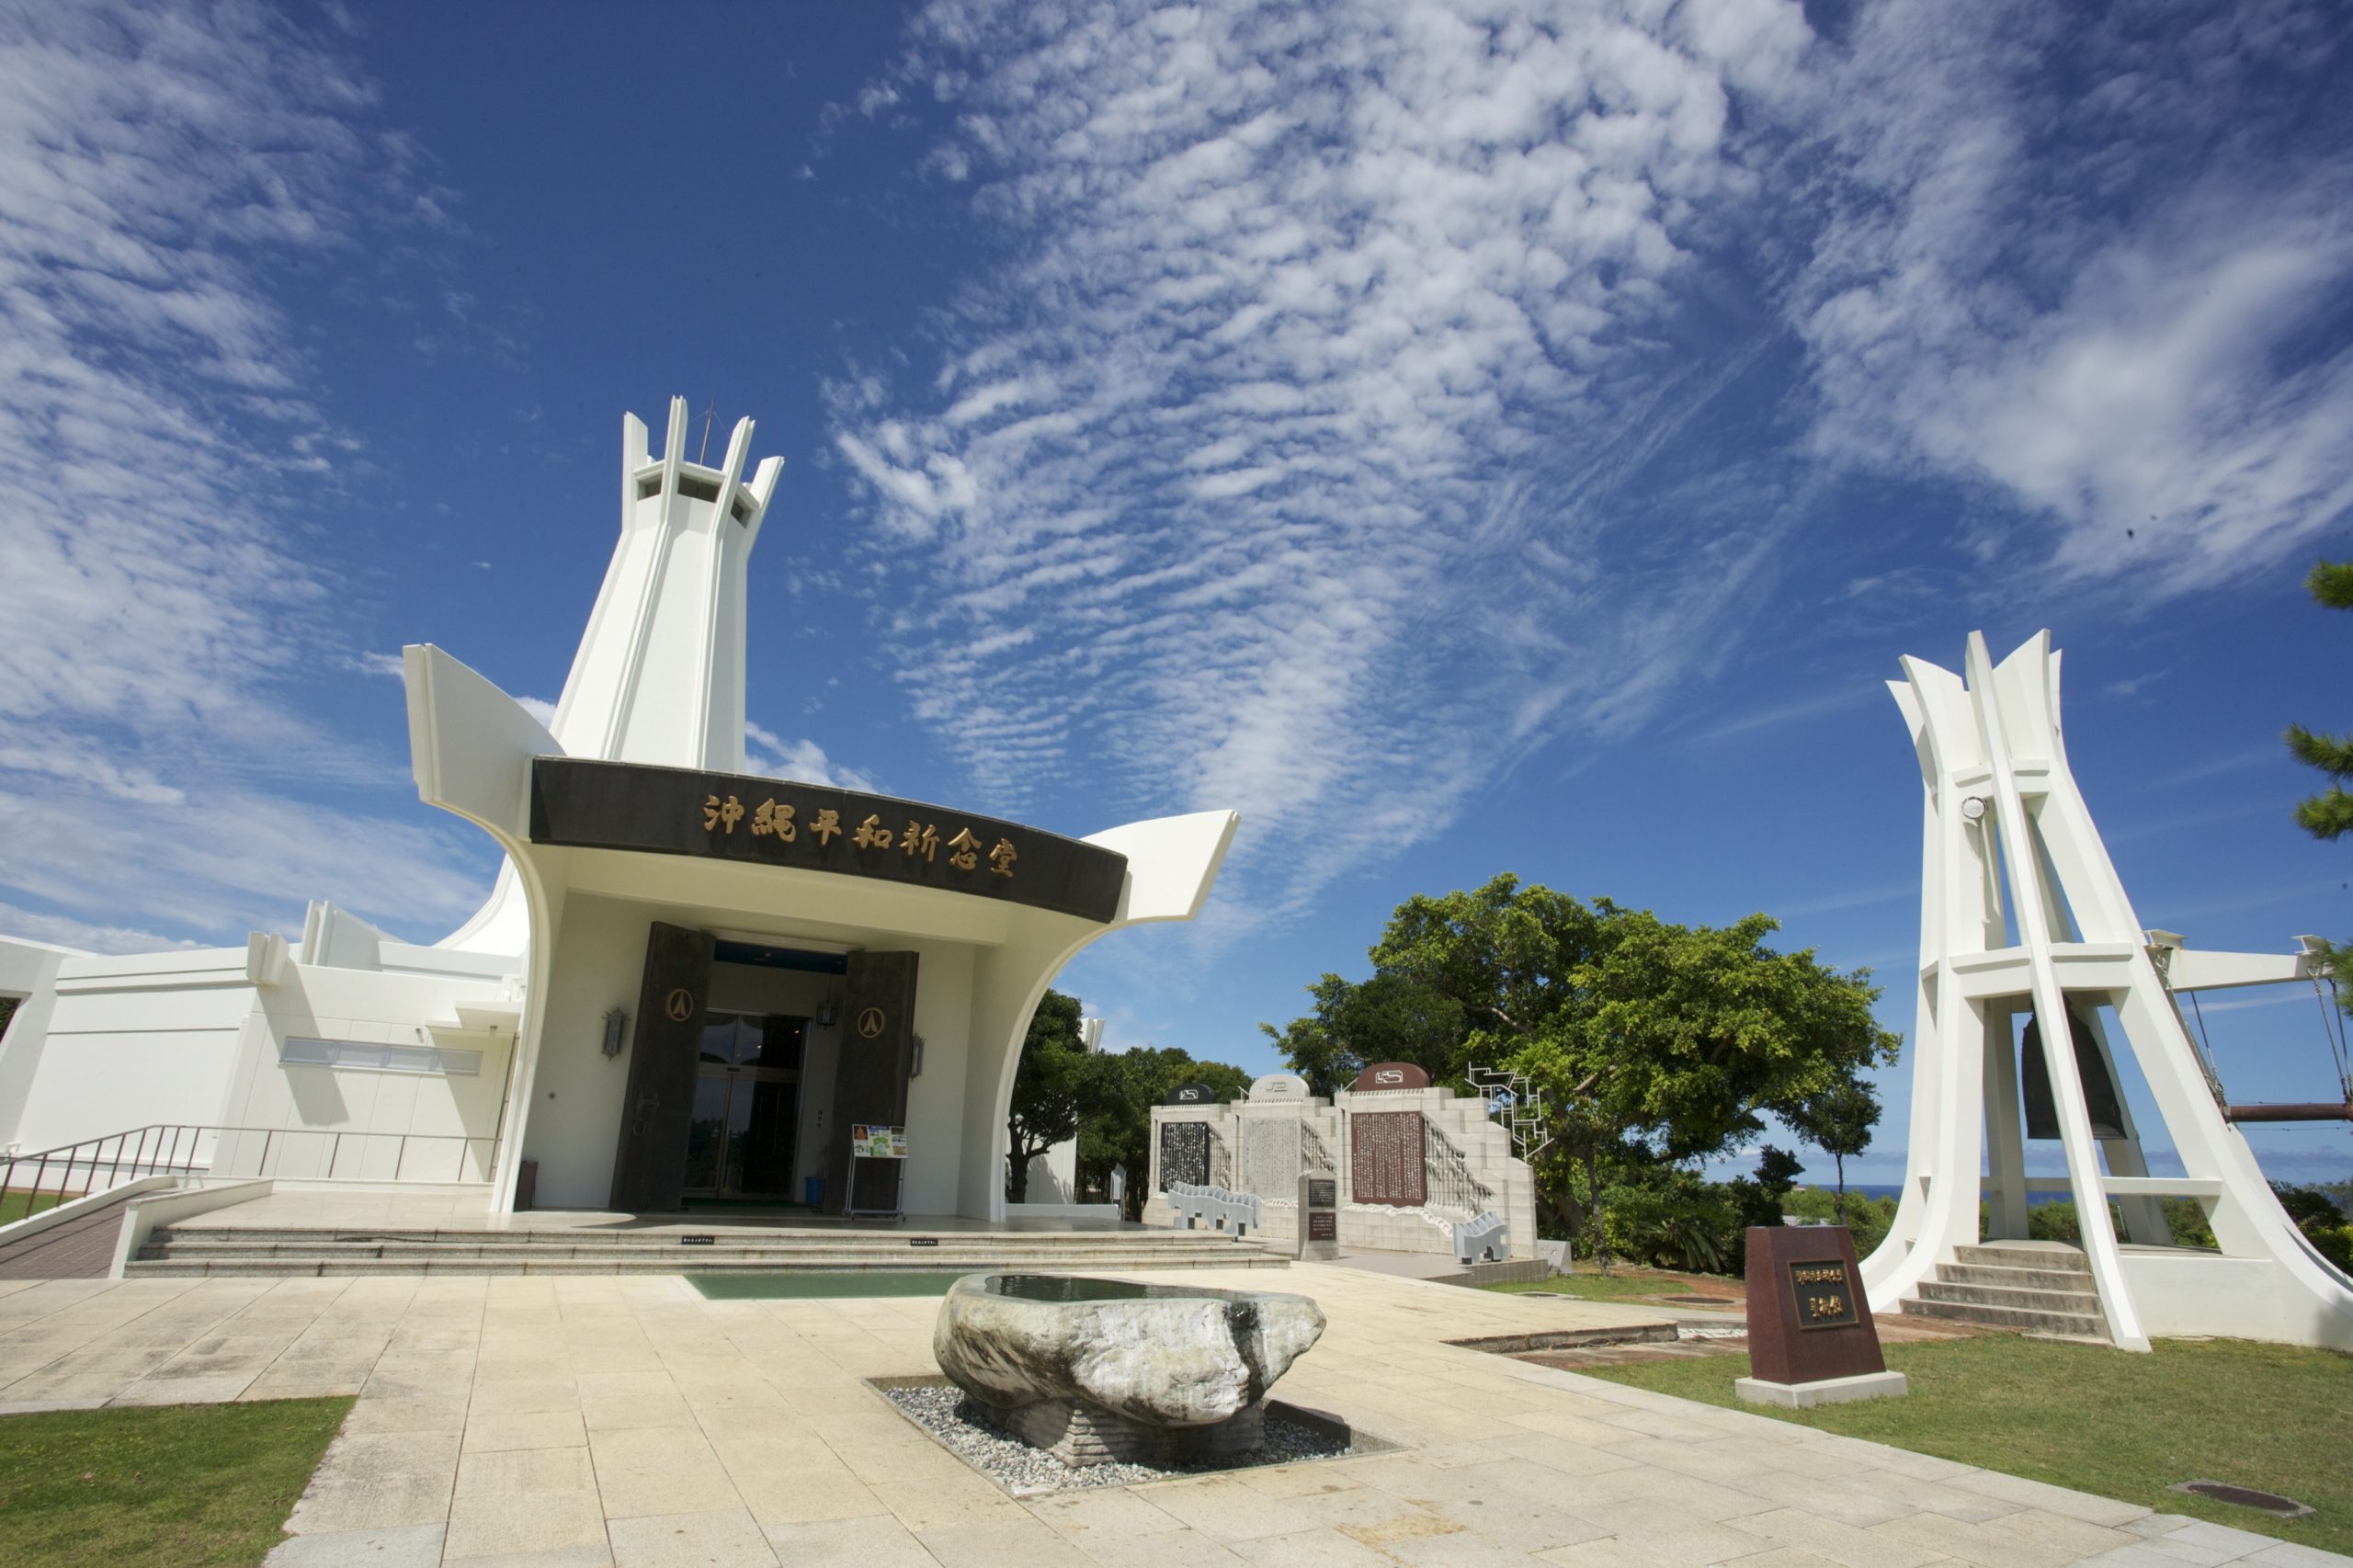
(589,805)
(1808,1317)
(1823,1293)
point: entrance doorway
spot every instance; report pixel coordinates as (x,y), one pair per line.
(740,1139)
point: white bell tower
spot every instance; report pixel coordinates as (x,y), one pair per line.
(2021,912)
(659,673)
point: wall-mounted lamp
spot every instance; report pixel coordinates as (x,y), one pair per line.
(1973,808)
(826,1013)
(915,1065)
(615,1022)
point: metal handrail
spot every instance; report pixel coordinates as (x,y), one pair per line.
(1315,1154)
(188,1149)
(1447,1181)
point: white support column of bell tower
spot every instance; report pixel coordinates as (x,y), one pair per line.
(2021,909)
(659,673)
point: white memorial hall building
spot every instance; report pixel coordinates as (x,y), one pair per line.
(689,983)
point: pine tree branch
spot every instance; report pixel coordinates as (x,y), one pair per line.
(2331,584)
(2332,754)
(2326,816)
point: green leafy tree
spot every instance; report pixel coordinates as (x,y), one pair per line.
(1386,1018)
(1649,1043)
(1868,1217)
(1122,1087)
(1839,1121)
(1049,1089)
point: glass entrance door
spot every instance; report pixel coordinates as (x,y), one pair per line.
(747,1107)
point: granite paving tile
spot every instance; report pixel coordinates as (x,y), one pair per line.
(875,1541)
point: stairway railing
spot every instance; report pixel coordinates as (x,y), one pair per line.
(46,1177)
(1447,1181)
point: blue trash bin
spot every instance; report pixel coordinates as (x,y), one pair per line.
(812,1191)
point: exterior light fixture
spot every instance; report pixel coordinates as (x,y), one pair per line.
(615,1022)
(826,1013)
(915,1066)
(1973,808)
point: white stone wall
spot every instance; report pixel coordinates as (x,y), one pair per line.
(136,1040)
(197,1036)
(1247,1131)
(411,1127)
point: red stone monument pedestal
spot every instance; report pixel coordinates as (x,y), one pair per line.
(1810,1337)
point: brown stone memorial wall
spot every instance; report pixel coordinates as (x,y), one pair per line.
(1385,1157)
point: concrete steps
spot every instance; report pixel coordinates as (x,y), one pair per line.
(2038,1288)
(221,1250)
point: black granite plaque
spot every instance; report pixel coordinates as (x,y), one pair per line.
(1323,1194)
(1322,1225)
(1184,1154)
(1192,1094)
(1822,1293)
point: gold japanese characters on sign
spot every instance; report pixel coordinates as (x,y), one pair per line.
(916,840)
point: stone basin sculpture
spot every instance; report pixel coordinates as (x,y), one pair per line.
(1098,1371)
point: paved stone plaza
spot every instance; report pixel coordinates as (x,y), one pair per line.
(593,1420)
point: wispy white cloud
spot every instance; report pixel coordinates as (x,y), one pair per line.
(2099,294)
(1281,438)
(230,860)
(1851,898)
(771,755)
(63,931)
(159,427)
(1336,431)
(1843,698)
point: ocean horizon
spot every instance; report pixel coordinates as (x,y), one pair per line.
(1894,1189)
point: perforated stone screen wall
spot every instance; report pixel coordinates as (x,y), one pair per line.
(1184,1152)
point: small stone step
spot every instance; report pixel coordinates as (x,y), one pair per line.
(2014,1278)
(347,1267)
(291,1235)
(351,1250)
(2056,1257)
(2082,1303)
(2063,1324)
(938,1255)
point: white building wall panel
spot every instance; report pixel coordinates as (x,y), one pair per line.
(95,1081)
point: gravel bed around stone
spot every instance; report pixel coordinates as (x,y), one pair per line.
(941,1410)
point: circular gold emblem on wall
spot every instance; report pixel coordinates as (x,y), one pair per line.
(679,1006)
(870,1022)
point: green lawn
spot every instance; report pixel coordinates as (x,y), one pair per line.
(173,1486)
(2270,1416)
(17,1205)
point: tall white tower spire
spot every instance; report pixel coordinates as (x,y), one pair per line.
(659,673)
(659,676)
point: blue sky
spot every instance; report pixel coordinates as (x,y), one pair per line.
(1461,439)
